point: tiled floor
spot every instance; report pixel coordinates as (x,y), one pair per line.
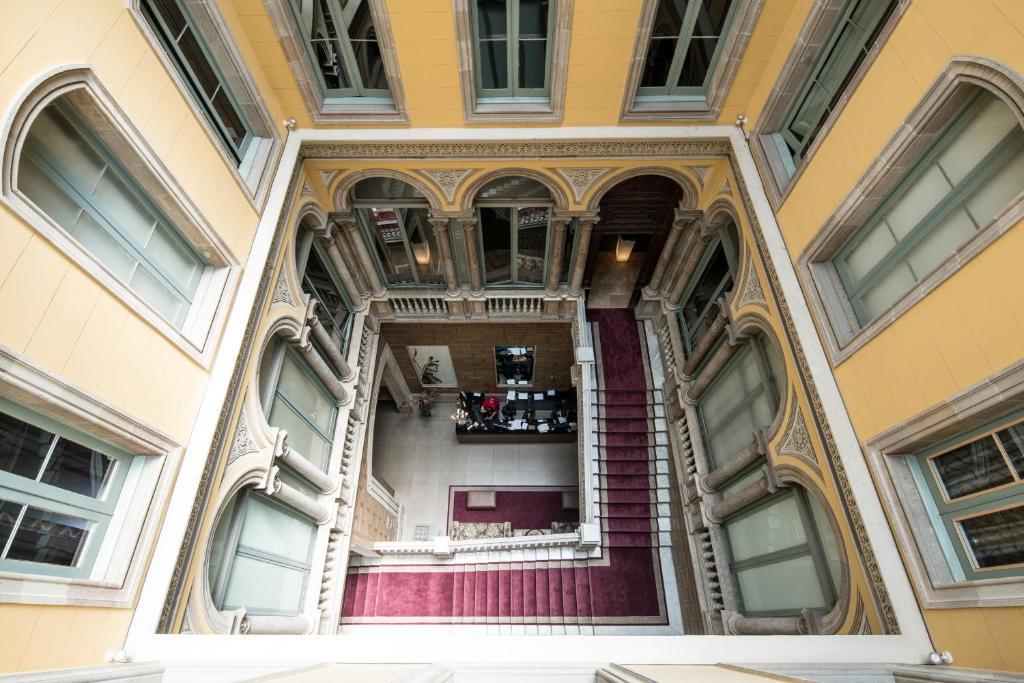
(420,458)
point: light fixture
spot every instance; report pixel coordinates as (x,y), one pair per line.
(421,252)
(623,249)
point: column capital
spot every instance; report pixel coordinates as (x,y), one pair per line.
(685,217)
(343,219)
(439,223)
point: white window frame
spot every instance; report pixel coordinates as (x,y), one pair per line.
(120,564)
(209,308)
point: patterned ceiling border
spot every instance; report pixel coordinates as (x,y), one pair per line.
(517,149)
(869,561)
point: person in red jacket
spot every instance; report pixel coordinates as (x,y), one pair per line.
(489,408)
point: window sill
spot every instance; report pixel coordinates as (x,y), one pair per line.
(656,108)
(513,109)
(358,110)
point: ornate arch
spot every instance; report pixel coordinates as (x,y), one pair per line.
(691,194)
(343,187)
(468,195)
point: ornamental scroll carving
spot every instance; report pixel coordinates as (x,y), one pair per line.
(797,441)
(448,179)
(702,173)
(328,175)
(282,292)
(580,179)
(242,444)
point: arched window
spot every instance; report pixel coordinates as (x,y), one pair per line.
(784,556)
(260,541)
(514,214)
(961,185)
(321,281)
(714,276)
(71,175)
(394,218)
(743,398)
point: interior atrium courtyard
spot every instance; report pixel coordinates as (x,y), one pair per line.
(512,340)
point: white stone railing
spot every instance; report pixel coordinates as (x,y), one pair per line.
(444,547)
(586,439)
(516,303)
(437,304)
(413,304)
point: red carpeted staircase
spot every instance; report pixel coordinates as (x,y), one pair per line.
(560,588)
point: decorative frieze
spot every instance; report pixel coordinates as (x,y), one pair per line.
(581,179)
(447,179)
(516,149)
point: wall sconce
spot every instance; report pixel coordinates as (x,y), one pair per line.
(623,249)
(421,252)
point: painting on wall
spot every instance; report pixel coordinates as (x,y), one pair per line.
(433,366)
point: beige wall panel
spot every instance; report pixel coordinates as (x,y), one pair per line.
(50,637)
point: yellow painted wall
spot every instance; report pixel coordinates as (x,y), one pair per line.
(968,328)
(58,316)
(601,46)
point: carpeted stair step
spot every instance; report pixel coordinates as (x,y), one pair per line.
(555,593)
(458,593)
(616,539)
(480,596)
(529,591)
(629,524)
(568,573)
(626,510)
(584,605)
(516,603)
(541,599)
(628,496)
(469,595)
(625,467)
(626,481)
(625,412)
(619,439)
(493,593)
(625,452)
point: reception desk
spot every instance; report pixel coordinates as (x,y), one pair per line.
(553,421)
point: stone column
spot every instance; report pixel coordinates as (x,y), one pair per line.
(683,219)
(323,337)
(347,222)
(715,363)
(444,242)
(757,448)
(468,223)
(559,224)
(746,496)
(700,237)
(579,266)
(709,339)
(326,236)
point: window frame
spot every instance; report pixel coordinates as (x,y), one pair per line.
(698,106)
(514,241)
(305,247)
(812,548)
(947,513)
(239,152)
(719,241)
(512,47)
(368,234)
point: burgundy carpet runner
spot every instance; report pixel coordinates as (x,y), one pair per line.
(622,587)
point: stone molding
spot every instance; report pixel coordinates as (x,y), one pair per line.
(580,179)
(447,179)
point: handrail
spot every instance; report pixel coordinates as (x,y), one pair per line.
(586,418)
(479,544)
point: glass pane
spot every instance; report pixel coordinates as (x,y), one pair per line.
(423,245)
(496,231)
(828,540)
(385,190)
(846,53)
(940,243)
(568,249)
(789,585)
(202,70)
(533,18)
(326,48)
(737,434)
(78,469)
(332,306)
(177,261)
(915,201)
(697,62)
(696,312)
(997,538)
(301,437)
(532,242)
(711,18)
(739,484)
(49,537)
(46,194)
(390,245)
(306,395)
(170,13)
(887,290)
(811,113)
(229,118)
(971,468)
(104,247)
(990,121)
(493,64)
(1001,186)
(870,251)
(1012,439)
(514,187)
(269,529)
(729,388)
(659,62)
(772,528)
(363,36)
(532,63)
(123,208)
(23,447)
(250,581)
(58,141)
(159,296)
(491,20)
(8,518)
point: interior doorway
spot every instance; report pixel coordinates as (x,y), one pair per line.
(636,216)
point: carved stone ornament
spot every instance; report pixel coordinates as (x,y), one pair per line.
(328,175)
(282,292)
(580,179)
(448,179)
(702,173)
(798,440)
(726,188)
(306,191)
(752,293)
(516,149)
(242,444)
